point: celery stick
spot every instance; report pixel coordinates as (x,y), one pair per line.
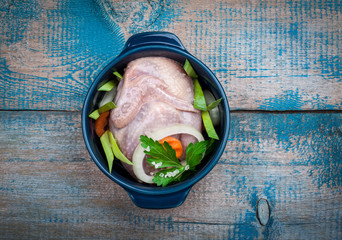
(189,70)
(116,150)
(107,149)
(117,74)
(108,106)
(199,99)
(208,125)
(95,114)
(107,86)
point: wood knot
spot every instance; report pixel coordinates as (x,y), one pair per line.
(263,211)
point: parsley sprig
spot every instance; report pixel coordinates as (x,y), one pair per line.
(164,157)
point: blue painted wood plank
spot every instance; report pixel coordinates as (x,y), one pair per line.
(51,51)
(270,55)
(50,188)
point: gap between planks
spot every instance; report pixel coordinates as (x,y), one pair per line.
(231,111)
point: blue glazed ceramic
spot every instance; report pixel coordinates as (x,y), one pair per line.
(154,44)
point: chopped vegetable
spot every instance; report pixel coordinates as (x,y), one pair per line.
(138,169)
(117,74)
(165,157)
(213,110)
(175,144)
(162,150)
(116,150)
(161,133)
(214,104)
(208,125)
(108,106)
(111,149)
(107,86)
(108,97)
(107,149)
(201,104)
(189,69)
(199,100)
(101,123)
(95,114)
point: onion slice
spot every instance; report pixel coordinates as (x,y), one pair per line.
(108,97)
(138,155)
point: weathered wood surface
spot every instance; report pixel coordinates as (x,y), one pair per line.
(269,55)
(50,188)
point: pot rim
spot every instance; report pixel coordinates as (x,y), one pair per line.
(138,187)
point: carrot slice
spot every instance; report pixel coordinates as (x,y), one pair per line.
(101,123)
(175,144)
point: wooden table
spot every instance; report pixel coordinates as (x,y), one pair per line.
(280,65)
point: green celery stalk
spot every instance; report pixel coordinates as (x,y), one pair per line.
(94,115)
(199,99)
(117,74)
(107,149)
(208,125)
(189,69)
(108,106)
(116,150)
(107,86)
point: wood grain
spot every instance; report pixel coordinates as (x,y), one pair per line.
(275,55)
(50,188)
(269,55)
(51,51)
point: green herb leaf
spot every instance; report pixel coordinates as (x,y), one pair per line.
(164,177)
(214,104)
(164,158)
(195,153)
(160,156)
(210,146)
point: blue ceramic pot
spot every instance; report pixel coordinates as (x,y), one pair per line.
(155,44)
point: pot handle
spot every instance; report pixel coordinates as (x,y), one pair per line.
(159,201)
(153,38)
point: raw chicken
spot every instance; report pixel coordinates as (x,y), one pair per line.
(154,93)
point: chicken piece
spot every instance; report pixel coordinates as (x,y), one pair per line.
(150,78)
(142,90)
(155,92)
(153,115)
